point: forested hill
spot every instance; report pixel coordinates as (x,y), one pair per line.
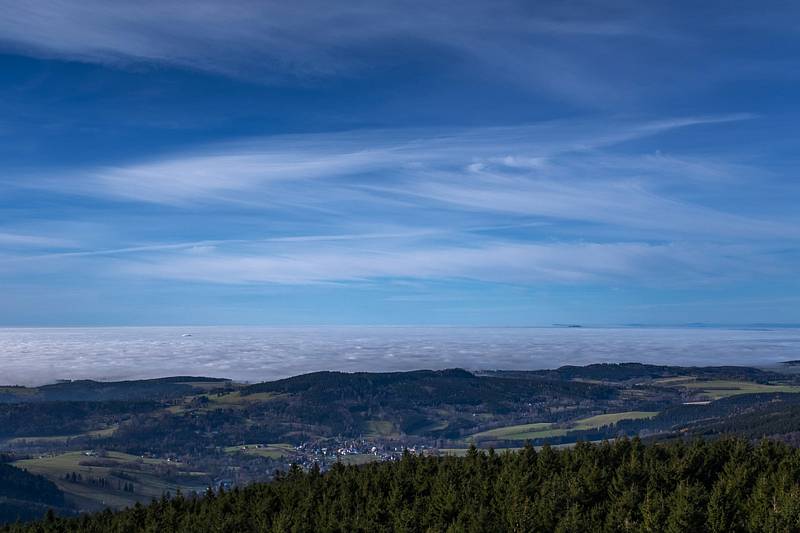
(103,391)
(426,386)
(24,496)
(632,371)
(723,486)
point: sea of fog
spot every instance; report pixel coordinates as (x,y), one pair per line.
(31,356)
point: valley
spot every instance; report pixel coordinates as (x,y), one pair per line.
(112,444)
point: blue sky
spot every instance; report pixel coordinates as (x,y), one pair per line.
(486,163)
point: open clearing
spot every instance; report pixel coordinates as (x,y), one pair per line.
(717,389)
(541,430)
(61,439)
(273,451)
(677,380)
(538,430)
(227,400)
(598,421)
(236,398)
(122,468)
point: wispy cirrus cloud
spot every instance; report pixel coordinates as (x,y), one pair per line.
(195,158)
(13,239)
(633,204)
(558,202)
(567,171)
(551,47)
(279,39)
(494,261)
(216,172)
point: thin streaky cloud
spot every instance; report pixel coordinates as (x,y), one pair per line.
(616,203)
(490,261)
(272,41)
(253,161)
(210,244)
(551,47)
(218,172)
(34,241)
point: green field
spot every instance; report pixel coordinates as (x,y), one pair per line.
(674,381)
(522,432)
(541,430)
(228,400)
(60,439)
(273,451)
(717,389)
(237,398)
(598,421)
(137,470)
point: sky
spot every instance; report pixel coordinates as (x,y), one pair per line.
(502,163)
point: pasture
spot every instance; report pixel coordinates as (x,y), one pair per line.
(117,469)
(541,430)
(272,451)
(717,389)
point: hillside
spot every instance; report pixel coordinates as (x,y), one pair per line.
(87,390)
(25,496)
(118,443)
(725,486)
(442,403)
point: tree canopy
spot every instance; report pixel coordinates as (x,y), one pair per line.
(727,485)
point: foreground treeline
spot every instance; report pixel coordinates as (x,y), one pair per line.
(721,486)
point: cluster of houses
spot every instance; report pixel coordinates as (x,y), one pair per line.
(331,451)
